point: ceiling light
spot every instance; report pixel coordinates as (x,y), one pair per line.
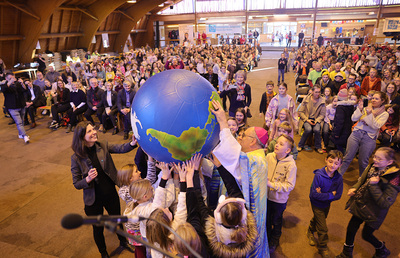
(161,5)
(371,13)
(131,1)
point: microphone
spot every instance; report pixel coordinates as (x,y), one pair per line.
(72,221)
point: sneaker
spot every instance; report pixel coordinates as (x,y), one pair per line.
(299,149)
(20,136)
(53,123)
(56,126)
(311,238)
(320,151)
(44,112)
(324,253)
(26,139)
(307,148)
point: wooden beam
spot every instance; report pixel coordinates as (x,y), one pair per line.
(126,15)
(11,37)
(110,32)
(60,35)
(87,13)
(137,31)
(22,9)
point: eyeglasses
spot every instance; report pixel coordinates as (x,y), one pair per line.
(245,135)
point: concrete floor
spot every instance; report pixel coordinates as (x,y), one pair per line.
(37,191)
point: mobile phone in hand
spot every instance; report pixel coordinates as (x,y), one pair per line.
(365,102)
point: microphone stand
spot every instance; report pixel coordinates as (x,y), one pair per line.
(113,228)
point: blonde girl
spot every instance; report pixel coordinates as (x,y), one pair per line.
(145,201)
(126,176)
(159,235)
(284,115)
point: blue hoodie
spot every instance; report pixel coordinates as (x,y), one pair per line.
(327,185)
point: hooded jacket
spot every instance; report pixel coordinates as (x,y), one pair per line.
(328,185)
(282,175)
(220,249)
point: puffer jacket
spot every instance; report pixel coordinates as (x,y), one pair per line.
(342,122)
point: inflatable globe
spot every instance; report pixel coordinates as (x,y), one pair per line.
(171,117)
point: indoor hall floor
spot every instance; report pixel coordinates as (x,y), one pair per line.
(37,191)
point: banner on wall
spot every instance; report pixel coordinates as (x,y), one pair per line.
(224,28)
(392,25)
(183,29)
(106,42)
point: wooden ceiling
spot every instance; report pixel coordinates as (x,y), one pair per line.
(60,25)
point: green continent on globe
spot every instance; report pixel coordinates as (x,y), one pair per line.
(214,96)
(182,147)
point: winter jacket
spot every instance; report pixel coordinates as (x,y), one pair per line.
(342,122)
(219,249)
(328,185)
(379,197)
(272,110)
(304,112)
(282,175)
(365,85)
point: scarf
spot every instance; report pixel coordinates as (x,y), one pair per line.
(240,92)
(375,112)
(373,171)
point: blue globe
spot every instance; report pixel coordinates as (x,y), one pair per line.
(171,117)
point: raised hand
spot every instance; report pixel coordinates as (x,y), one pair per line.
(181,169)
(165,170)
(196,159)
(215,161)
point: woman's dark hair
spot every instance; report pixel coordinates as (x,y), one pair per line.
(78,140)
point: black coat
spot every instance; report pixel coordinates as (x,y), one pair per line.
(342,123)
(121,98)
(378,197)
(97,94)
(13,95)
(104,101)
(40,99)
(80,168)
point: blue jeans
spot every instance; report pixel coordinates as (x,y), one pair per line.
(281,72)
(274,221)
(325,134)
(361,142)
(308,129)
(18,116)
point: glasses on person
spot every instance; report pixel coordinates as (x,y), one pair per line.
(244,135)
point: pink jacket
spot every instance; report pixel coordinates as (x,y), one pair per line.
(272,111)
